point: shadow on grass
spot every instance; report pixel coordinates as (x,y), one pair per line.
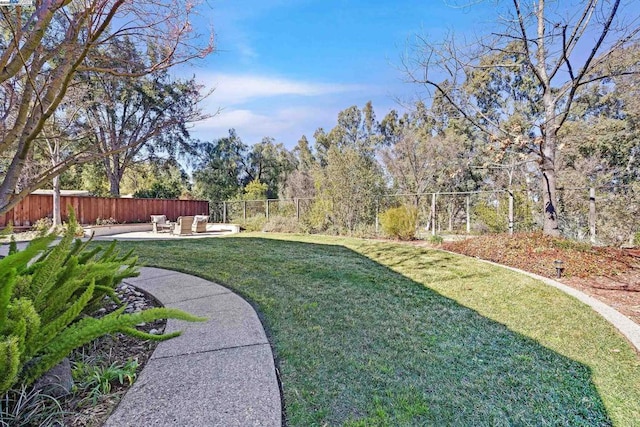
(360,344)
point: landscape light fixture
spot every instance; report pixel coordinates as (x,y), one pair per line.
(559,265)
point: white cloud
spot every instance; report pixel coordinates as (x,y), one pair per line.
(257,106)
(246,51)
(284,124)
(227,119)
(236,89)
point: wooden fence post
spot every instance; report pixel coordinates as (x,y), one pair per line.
(297,209)
(592,214)
(244,210)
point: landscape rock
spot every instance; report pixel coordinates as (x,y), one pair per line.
(57,382)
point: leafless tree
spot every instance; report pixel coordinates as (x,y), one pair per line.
(550,51)
(44,47)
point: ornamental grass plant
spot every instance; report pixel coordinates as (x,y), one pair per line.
(47,293)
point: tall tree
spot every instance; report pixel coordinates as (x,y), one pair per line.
(221,168)
(601,148)
(299,183)
(41,50)
(348,175)
(429,157)
(134,119)
(61,138)
(161,179)
(271,164)
(351,182)
(601,140)
(556,48)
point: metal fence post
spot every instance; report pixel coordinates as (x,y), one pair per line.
(510,212)
(433,214)
(468,216)
(224,212)
(297,209)
(377,214)
(592,214)
(267,209)
(244,210)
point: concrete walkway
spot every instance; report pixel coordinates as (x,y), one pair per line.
(217,373)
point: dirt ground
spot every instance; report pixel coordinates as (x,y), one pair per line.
(621,292)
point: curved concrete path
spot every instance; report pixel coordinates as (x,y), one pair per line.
(217,373)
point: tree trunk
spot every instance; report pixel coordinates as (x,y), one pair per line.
(10,179)
(548,184)
(57,215)
(54,150)
(114,174)
(114,185)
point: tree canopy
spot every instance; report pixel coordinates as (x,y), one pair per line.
(518,84)
(42,50)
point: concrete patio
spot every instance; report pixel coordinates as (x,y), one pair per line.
(145,232)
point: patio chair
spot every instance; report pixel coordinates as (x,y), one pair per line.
(159,222)
(183,226)
(199,223)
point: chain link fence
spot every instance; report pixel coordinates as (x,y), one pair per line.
(601,215)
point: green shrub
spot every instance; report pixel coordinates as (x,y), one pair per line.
(254,223)
(493,216)
(282,208)
(399,223)
(255,190)
(159,190)
(8,230)
(281,224)
(318,219)
(42,225)
(46,294)
(494,219)
(435,239)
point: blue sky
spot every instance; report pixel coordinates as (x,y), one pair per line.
(284,68)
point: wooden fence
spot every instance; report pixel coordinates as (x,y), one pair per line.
(89,209)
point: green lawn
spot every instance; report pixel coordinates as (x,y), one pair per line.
(369,333)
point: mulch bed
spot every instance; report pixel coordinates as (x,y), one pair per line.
(104,351)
